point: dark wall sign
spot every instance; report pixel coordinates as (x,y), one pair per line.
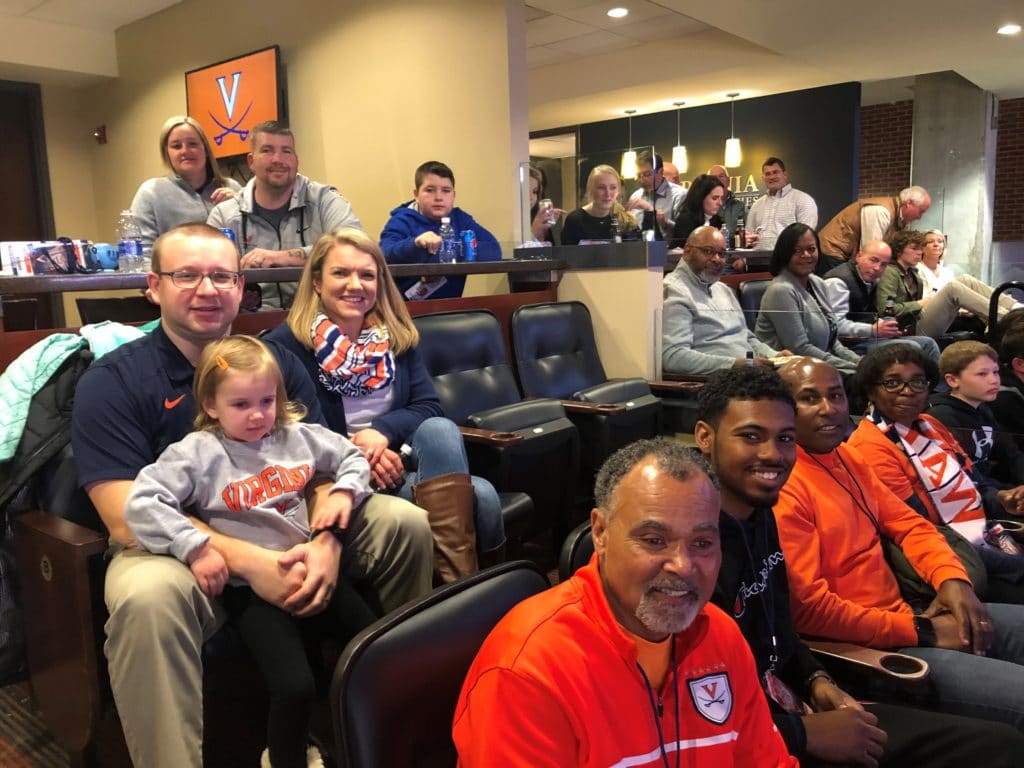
(815,131)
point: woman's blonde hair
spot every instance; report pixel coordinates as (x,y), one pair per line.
(213,172)
(243,354)
(388,310)
(624,216)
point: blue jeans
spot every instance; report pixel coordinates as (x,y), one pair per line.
(437,449)
(926,343)
(990,687)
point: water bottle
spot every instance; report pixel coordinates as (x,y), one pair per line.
(616,229)
(725,235)
(129,244)
(449,250)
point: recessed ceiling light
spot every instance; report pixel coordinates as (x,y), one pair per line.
(618,13)
(1006,29)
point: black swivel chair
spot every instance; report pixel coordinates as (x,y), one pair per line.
(556,356)
(528,446)
(396,685)
(750,293)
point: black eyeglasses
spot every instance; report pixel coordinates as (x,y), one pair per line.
(708,251)
(188,279)
(917,384)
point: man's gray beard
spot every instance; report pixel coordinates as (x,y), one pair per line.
(661,619)
(704,278)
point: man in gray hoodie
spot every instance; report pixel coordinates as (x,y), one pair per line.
(280,214)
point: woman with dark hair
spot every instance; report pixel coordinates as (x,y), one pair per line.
(193,187)
(922,463)
(703,200)
(794,313)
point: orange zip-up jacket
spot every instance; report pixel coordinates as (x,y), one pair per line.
(556,684)
(840,586)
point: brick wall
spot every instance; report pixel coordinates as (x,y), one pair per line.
(1008,212)
(886,133)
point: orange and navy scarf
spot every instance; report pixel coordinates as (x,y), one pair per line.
(352,369)
(944,471)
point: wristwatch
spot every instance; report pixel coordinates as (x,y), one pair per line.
(926,637)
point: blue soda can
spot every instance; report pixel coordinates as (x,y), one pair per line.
(468,244)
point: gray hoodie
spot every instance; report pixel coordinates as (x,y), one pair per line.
(313,210)
(163,203)
(251,491)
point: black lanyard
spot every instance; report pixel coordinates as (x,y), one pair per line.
(768,598)
(656,708)
(862,502)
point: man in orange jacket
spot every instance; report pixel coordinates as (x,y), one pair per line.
(625,663)
(831,516)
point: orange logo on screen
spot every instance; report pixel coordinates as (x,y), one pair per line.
(229,99)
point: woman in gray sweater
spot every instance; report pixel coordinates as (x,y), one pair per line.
(794,312)
(192,188)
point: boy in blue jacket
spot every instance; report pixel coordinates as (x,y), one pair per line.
(411,234)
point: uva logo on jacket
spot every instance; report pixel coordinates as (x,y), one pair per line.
(273,481)
(712,697)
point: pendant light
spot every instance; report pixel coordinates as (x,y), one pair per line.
(733,153)
(629,156)
(679,151)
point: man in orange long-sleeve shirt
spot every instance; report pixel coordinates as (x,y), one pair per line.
(625,663)
(831,515)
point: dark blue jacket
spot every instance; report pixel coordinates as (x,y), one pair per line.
(406,224)
(414,399)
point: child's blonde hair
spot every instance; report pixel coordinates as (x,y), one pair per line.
(244,354)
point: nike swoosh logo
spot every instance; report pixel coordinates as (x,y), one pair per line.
(168,403)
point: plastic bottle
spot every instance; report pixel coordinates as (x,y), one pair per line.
(616,229)
(450,245)
(725,234)
(129,244)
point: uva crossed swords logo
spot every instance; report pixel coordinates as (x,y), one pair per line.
(229,107)
(712,697)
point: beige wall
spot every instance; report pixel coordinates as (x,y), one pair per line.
(374,89)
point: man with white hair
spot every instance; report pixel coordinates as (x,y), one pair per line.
(871,218)
(625,663)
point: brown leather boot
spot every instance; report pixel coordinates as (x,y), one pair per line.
(448,500)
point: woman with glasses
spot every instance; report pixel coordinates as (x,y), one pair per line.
(931,313)
(921,462)
(351,329)
(189,192)
(700,207)
(794,312)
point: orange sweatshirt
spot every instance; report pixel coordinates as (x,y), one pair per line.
(841,587)
(556,684)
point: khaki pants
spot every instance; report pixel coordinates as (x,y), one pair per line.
(159,620)
(965,292)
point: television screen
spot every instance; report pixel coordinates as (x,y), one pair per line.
(229,98)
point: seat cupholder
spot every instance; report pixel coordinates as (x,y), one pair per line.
(901,665)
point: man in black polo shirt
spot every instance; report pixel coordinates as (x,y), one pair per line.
(129,406)
(851,294)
